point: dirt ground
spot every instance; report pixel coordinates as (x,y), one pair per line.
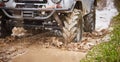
(49,55)
(45,47)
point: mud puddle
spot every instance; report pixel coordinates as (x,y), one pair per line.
(36,54)
(46,48)
(41,48)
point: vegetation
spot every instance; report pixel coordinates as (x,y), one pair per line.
(108,51)
(117,4)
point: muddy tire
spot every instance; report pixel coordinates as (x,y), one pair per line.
(5,27)
(72,30)
(89,21)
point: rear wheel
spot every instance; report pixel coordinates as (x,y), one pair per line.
(72,30)
(89,21)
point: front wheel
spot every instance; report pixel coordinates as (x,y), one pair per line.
(5,27)
(72,30)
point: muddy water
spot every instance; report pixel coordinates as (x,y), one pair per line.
(49,55)
(38,54)
(104,16)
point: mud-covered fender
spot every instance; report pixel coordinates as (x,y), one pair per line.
(63,3)
(87,4)
(10,4)
(68,3)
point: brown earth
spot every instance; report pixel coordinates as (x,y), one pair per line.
(45,47)
(36,54)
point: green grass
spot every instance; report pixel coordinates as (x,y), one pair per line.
(108,51)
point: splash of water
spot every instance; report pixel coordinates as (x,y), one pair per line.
(104,17)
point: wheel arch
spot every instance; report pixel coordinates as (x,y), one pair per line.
(86,5)
(95,2)
(78,5)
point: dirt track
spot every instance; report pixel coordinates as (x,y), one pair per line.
(49,55)
(46,47)
(45,43)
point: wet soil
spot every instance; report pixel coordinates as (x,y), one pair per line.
(46,46)
(36,54)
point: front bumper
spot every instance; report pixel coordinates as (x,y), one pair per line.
(52,11)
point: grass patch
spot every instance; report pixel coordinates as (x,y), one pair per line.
(109,51)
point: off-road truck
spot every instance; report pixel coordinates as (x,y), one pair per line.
(71,17)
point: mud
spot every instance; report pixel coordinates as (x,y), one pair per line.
(46,46)
(36,54)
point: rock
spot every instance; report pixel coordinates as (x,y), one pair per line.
(56,42)
(72,47)
(18,31)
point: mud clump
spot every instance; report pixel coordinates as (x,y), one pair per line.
(101,4)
